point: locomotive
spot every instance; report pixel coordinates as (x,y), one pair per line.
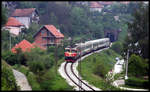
(81,49)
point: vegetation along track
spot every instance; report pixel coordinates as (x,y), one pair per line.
(75,82)
(79,78)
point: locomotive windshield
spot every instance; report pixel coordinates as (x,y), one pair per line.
(67,50)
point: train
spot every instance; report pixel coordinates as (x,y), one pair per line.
(80,49)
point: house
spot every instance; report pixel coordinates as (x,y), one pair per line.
(116,18)
(48,35)
(26,16)
(8,4)
(24,45)
(14,26)
(95,6)
(106,3)
(35,45)
(124,2)
(83,3)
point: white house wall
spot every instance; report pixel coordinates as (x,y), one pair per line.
(24,20)
(14,30)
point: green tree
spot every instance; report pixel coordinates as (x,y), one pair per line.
(9,57)
(25,4)
(139,32)
(38,60)
(4,16)
(36,66)
(53,20)
(5,40)
(137,66)
(117,47)
(8,82)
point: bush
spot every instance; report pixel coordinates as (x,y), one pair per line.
(36,66)
(12,59)
(8,80)
(133,81)
(137,63)
(100,70)
(117,47)
(51,49)
(38,60)
(9,57)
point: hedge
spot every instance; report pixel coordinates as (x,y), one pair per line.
(132,81)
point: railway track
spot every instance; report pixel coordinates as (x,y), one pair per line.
(84,86)
(80,79)
(66,70)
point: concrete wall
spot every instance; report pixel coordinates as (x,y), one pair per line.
(96,9)
(14,30)
(113,33)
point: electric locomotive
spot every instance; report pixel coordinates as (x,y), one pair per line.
(81,49)
(70,54)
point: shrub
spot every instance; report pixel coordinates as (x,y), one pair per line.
(36,66)
(7,77)
(117,47)
(100,70)
(51,49)
(9,57)
(133,81)
(138,64)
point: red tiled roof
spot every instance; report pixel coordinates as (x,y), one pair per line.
(95,5)
(23,12)
(106,2)
(54,31)
(124,2)
(13,22)
(24,45)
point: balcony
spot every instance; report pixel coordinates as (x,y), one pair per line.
(47,36)
(48,44)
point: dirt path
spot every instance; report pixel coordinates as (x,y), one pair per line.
(21,80)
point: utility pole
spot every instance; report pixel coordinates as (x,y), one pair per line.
(126,76)
(80,83)
(56,47)
(10,40)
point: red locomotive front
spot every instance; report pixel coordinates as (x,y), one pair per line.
(70,54)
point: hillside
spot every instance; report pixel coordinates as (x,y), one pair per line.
(95,67)
(8,80)
(77,21)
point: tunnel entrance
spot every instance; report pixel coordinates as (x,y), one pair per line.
(112,34)
(111,37)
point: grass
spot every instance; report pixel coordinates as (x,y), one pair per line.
(123,33)
(58,83)
(107,58)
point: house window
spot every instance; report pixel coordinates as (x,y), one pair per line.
(52,40)
(42,32)
(48,34)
